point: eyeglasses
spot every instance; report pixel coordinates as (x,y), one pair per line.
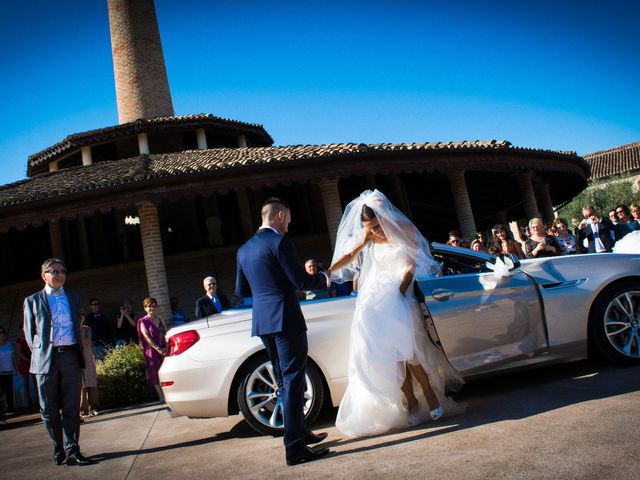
(454,241)
(619,211)
(61,271)
(95,304)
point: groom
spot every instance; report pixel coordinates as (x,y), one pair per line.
(268,269)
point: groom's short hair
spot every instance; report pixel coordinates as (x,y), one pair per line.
(272,206)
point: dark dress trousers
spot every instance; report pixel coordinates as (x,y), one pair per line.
(606,231)
(58,371)
(270,271)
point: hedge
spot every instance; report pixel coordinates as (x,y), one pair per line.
(122,378)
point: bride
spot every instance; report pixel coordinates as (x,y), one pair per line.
(389,345)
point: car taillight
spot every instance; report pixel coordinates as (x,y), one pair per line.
(182,341)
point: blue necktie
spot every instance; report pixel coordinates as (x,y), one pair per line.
(216,304)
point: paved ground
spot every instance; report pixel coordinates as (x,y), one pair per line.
(576,421)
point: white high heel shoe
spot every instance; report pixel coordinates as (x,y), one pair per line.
(414,416)
(436,413)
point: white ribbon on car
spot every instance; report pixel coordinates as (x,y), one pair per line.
(500,268)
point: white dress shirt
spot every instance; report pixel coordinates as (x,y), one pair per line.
(63,332)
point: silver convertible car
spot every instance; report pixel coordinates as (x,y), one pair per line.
(541,311)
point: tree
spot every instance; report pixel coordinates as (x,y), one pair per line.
(602,195)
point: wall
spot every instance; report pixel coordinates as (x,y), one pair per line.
(184,271)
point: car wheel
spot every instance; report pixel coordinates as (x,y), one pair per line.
(614,324)
(259,400)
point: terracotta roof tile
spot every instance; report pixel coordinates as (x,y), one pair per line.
(76,140)
(118,173)
(606,163)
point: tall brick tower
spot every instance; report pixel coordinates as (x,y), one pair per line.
(142,86)
(142,91)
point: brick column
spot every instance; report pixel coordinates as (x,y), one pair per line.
(154,257)
(55,238)
(246,218)
(462,203)
(399,194)
(53,167)
(545,200)
(332,207)
(528,196)
(370,182)
(142,86)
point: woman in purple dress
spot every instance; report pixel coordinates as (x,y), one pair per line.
(151,332)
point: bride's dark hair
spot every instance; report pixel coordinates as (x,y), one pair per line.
(367,214)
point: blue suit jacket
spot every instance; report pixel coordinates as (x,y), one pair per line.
(38,329)
(270,271)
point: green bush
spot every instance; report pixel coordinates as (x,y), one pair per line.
(602,195)
(121,377)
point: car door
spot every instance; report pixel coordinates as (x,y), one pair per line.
(483,320)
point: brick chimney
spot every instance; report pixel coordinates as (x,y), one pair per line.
(142,86)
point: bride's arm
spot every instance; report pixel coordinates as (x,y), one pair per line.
(407,278)
(348,258)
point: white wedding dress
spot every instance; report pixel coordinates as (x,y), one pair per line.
(387,331)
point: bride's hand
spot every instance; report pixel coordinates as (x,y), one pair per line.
(368,236)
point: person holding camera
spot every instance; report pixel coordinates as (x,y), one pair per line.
(126,324)
(539,244)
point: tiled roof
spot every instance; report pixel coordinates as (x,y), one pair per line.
(606,163)
(121,175)
(147,125)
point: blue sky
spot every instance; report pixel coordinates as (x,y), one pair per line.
(546,74)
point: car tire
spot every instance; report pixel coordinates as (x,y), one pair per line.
(258,400)
(614,324)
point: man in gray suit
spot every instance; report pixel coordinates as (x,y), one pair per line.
(52,330)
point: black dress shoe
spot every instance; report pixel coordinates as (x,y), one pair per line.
(311,437)
(78,459)
(59,458)
(307,455)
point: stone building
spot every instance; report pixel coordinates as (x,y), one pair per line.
(607,164)
(156,203)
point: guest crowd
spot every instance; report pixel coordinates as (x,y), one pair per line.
(594,234)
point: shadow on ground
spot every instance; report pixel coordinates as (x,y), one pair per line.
(510,397)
